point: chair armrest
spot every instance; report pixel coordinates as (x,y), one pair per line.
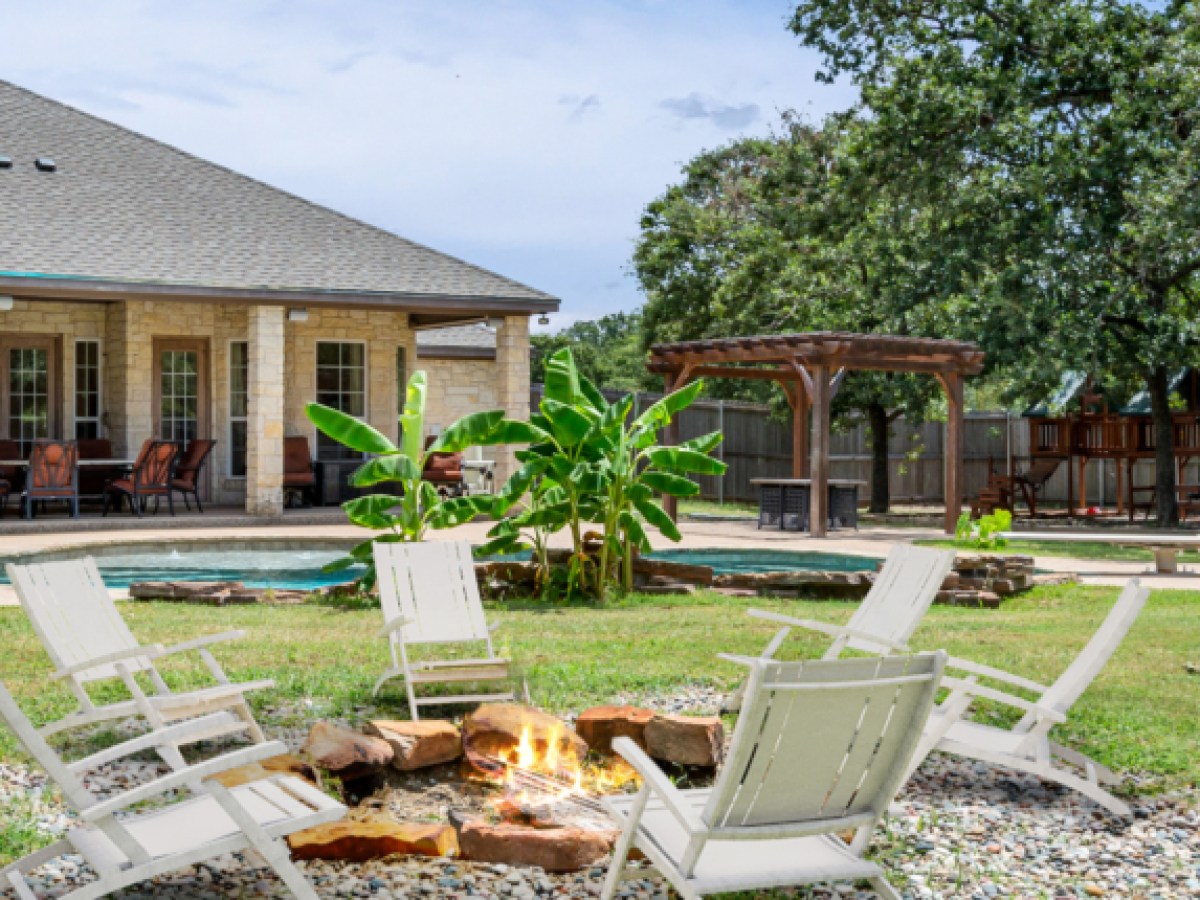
(394,625)
(149,651)
(999,674)
(739,659)
(658,783)
(184,778)
(978,690)
(190,731)
(205,641)
(829,629)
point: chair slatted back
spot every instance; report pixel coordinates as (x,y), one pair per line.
(52,469)
(191,461)
(74,616)
(823,739)
(154,469)
(1104,643)
(901,595)
(35,745)
(433,584)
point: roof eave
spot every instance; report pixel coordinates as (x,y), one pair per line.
(52,287)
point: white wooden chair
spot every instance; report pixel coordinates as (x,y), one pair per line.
(125,847)
(820,748)
(430,596)
(1027,747)
(78,623)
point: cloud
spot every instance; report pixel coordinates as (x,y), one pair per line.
(698,106)
(581,107)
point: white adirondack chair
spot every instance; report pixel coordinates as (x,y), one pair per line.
(87,640)
(889,613)
(429,596)
(125,848)
(1027,747)
(820,748)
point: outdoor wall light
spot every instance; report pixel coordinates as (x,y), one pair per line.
(6,303)
(298,315)
(543,319)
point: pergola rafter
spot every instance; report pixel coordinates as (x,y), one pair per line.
(809,367)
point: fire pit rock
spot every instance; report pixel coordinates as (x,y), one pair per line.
(565,849)
(600,725)
(417,745)
(686,740)
(493,731)
(347,754)
(372,838)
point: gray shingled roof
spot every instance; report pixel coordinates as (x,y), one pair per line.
(125,208)
(477,336)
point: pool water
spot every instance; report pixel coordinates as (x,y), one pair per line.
(292,569)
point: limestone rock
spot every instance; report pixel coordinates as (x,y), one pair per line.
(347,754)
(686,740)
(372,838)
(493,731)
(284,764)
(553,849)
(601,724)
(419,744)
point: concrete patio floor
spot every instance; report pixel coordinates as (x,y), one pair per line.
(739,534)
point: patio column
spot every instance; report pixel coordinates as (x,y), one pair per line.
(512,385)
(264,415)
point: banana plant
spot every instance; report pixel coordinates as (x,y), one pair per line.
(588,463)
(419,507)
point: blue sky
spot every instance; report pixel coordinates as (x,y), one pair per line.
(523,136)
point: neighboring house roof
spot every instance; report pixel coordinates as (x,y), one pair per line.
(476,341)
(128,215)
(1139,404)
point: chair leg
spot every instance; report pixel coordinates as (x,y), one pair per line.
(186,503)
(884,890)
(196,494)
(170,503)
(138,504)
(255,732)
(616,868)
(413,709)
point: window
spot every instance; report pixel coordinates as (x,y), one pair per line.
(239,396)
(401,387)
(87,390)
(342,385)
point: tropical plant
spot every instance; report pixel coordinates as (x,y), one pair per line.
(418,507)
(588,463)
(984,533)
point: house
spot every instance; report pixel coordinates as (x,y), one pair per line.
(146,292)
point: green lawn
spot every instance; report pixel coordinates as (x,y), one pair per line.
(1070,550)
(1141,713)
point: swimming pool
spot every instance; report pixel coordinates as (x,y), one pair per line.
(294,564)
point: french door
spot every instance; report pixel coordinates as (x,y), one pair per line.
(29,398)
(181,390)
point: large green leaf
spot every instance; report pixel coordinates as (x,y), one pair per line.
(459,510)
(569,424)
(680,460)
(347,430)
(412,419)
(509,431)
(632,527)
(592,394)
(519,482)
(673,485)
(562,378)
(469,431)
(660,413)
(373,510)
(706,443)
(657,516)
(393,467)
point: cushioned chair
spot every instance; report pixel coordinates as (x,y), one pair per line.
(299,475)
(53,475)
(151,477)
(189,469)
(444,471)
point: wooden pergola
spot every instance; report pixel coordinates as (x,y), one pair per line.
(809,367)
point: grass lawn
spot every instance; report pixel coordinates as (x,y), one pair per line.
(1070,550)
(1140,714)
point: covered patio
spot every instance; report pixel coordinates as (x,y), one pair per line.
(810,367)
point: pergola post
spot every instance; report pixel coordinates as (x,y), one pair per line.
(818,503)
(952,384)
(797,397)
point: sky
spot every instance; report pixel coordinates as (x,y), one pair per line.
(526,137)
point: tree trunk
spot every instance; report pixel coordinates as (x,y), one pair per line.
(1158,383)
(877,418)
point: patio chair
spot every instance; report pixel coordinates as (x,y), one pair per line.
(430,596)
(189,469)
(1026,747)
(299,473)
(787,789)
(125,847)
(151,477)
(444,471)
(53,475)
(81,629)
(886,618)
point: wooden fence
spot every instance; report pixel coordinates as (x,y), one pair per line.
(757,445)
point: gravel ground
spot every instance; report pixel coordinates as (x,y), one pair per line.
(959,830)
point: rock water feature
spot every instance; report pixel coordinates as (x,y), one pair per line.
(513,786)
